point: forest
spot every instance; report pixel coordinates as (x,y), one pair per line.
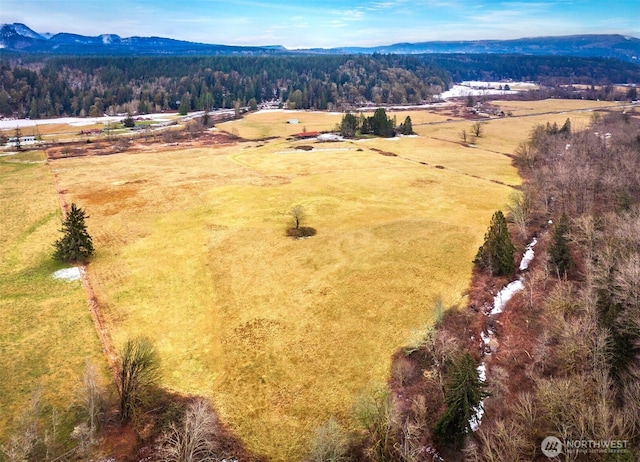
(95,86)
(547,70)
(566,359)
(37,87)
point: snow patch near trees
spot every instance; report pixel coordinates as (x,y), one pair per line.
(499,302)
(68,274)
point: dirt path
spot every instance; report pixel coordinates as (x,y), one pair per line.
(92,301)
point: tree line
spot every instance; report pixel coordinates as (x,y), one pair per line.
(91,86)
(547,70)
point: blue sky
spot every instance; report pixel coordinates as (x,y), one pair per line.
(326,23)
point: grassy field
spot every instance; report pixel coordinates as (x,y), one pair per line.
(46,332)
(281,334)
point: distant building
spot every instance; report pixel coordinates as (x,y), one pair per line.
(13,141)
(305,135)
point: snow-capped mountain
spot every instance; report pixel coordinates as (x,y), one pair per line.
(21,39)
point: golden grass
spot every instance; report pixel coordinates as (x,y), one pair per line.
(518,108)
(281,334)
(46,332)
(274,123)
(191,251)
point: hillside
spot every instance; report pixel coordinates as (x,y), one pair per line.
(19,38)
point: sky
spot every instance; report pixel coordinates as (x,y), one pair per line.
(325,23)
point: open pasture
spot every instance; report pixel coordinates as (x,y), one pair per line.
(275,123)
(522,108)
(282,334)
(46,332)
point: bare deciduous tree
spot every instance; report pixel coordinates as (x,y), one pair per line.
(477,129)
(24,439)
(194,439)
(92,400)
(297,216)
(519,208)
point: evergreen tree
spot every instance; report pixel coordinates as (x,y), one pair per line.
(496,254)
(349,125)
(128,122)
(406,128)
(464,392)
(381,125)
(185,104)
(559,253)
(76,244)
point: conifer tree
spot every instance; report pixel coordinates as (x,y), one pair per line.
(464,393)
(496,254)
(559,253)
(76,244)
(566,127)
(406,128)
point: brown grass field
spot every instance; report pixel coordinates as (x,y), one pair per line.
(46,332)
(283,334)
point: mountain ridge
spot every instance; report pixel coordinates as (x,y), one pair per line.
(19,38)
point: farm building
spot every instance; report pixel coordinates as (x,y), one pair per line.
(13,141)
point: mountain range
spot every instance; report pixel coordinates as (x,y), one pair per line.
(19,38)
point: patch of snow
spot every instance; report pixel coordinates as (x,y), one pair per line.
(506,294)
(478,411)
(485,338)
(499,302)
(7,124)
(528,255)
(459,91)
(482,372)
(329,137)
(68,274)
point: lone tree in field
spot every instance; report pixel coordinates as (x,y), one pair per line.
(464,393)
(296,230)
(496,254)
(76,244)
(297,216)
(138,371)
(477,129)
